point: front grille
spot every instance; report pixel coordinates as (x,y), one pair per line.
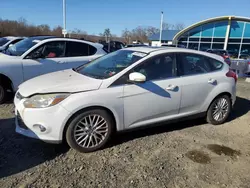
(20,122)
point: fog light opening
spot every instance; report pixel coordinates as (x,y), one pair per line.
(42,128)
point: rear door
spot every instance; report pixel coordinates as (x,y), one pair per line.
(79,53)
(199,75)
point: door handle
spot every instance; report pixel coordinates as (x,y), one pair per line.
(171,87)
(211,81)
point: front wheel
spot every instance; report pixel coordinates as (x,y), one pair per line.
(3,94)
(219,110)
(89,131)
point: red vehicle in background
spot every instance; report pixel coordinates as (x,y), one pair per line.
(222,53)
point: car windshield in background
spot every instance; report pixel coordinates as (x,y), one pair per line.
(3,41)
(20,47)
(111,64)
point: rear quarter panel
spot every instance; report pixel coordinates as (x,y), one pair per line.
(224,85)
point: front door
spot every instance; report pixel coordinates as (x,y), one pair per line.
(157,99)
(49,57)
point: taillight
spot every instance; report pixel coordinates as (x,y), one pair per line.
(225,56)
(232,75)
(248,62)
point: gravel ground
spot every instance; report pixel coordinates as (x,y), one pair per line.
(187,154)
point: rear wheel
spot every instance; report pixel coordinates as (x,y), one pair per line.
(89,131)
(219,110)
(3,93)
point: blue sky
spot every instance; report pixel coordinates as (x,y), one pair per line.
(93,16)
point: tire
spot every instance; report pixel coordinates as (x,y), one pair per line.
(3,93)
(225,104)
(87,132)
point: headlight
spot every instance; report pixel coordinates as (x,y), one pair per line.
(43,101)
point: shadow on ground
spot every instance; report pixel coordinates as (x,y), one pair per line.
(241,107)
(18,153)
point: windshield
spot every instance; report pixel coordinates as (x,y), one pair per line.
(111,64)
(20,47)
(3,41)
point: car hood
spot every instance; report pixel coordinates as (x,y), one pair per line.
(4,57)
(59,82)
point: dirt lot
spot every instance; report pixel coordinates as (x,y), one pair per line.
(186,154)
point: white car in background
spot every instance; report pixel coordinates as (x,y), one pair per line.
(39,55)
(129,88)
(6,42)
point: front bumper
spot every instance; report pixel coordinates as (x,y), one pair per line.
(53,119)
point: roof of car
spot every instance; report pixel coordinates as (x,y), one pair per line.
(146,49)
(150,49)
(73,40)
(12,37)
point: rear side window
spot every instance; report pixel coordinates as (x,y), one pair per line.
(192,64)
(215,64)
(75,49)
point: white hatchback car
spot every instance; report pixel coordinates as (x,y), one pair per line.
(129,88)
(39,55)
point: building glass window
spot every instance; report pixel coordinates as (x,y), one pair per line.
(218,46)
(247,31)
(206,39)
(207,30)
(205,46)
(220,29)
(213,35)
(236,29)
(245,49)
(196,32)
(233,50)
(193,46)
(182,44)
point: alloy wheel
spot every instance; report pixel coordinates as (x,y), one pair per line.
(220,109)
(90,131)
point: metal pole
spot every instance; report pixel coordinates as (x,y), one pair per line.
(161,28)
(64,17)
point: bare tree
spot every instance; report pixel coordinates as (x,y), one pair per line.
(179,26)
(126,34)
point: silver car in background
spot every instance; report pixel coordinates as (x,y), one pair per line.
(129,88)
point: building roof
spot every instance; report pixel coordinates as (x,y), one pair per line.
(166,35)
(178,34)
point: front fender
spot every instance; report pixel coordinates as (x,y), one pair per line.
(13,72)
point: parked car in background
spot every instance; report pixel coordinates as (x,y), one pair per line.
(5,42)
(39,55)
(244,56)
(126,89)
(222,53)
(112,46)
(135,45)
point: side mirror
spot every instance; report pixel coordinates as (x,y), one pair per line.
(137,77)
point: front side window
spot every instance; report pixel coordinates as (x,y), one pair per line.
(158,67)
(111,64)
(53,49)
(191,64)
(75,49)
